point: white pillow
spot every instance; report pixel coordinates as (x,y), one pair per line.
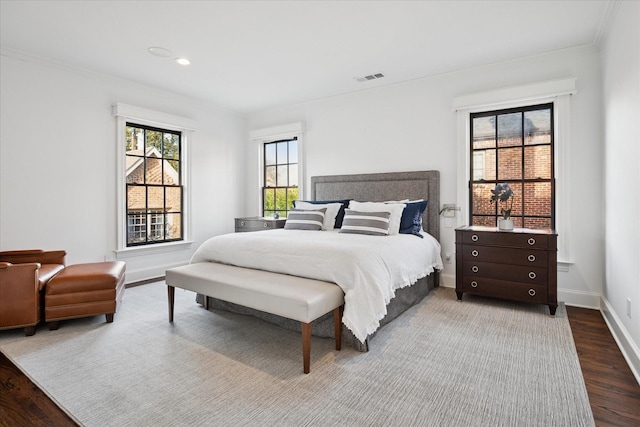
(329,216)
(395,209)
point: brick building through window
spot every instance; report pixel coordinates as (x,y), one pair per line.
(153,185)
(513,146)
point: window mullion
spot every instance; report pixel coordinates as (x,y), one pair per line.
(522,168)
(514,125)
(281,171)
(154,175)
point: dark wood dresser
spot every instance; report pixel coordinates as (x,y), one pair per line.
(257,223)
(519,265)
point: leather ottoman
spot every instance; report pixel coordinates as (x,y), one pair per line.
(84,290)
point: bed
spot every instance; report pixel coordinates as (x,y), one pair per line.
(361,187)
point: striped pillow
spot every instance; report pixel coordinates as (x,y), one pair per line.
(299,219)
(372,223)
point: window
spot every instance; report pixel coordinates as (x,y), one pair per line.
(513,146)
(137,227)
(153,200)
(280,176)
(154,191)
(557,92)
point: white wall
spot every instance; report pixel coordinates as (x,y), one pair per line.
(58,162)
(412,126)
(621,89)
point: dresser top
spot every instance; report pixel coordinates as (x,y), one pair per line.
(514,231)
(260,218)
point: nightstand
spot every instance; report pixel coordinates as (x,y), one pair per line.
(519,265)
(257,223)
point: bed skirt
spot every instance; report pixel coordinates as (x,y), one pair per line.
(323,326)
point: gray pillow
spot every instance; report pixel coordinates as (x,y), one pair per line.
(299,219)
(371,223)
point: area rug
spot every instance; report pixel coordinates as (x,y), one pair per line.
(478,362)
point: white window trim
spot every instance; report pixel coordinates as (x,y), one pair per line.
(557,91)
(277,133)
(129,113)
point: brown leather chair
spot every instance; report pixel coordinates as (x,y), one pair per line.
(23,277)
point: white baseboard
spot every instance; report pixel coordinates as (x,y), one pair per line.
(448,280)
(579,298)
(133,276)
(628,348)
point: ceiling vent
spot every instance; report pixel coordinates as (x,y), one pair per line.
(370,77)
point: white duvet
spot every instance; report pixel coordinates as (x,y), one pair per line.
(368,268)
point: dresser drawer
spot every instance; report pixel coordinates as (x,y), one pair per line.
(505,238)
(257,224)
(505,289)
(528,257)
(519,265)
(517,273)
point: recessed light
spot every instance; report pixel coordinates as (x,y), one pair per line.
(183,61)
(160,51)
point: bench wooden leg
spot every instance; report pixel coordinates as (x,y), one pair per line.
(306,346)
(337,325)
(171,293)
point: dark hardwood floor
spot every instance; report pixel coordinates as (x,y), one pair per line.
(22,403)
(613,392)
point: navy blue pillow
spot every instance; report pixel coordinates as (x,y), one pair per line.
(340,216)
(411,220)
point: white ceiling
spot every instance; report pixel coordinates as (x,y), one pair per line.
(252,55)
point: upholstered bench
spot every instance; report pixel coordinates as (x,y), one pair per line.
(288,296)
(84,290)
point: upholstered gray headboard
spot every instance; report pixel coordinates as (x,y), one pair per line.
(379,187)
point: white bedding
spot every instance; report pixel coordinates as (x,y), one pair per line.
(368,268)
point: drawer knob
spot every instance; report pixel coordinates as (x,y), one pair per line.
(532,275)
(242,223)
(532,292)
(265,225)
(474,237)
(474,284)
(531,258)
(531,241)
(474,252)
(475,269)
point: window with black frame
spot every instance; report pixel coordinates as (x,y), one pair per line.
(154,189)
(515,147)
(280,177)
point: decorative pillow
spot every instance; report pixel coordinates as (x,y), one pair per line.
(329,216)
(372,223)
(411,220)
(395,209)
(339,217)
(299,219)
